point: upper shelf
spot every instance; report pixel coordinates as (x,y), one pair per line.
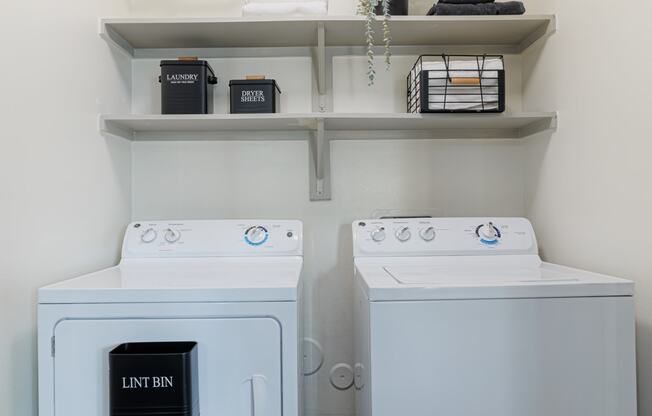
(506,34)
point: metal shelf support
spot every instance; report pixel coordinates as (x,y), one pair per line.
(320,164)
(321,58)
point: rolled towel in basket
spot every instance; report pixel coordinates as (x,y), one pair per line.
(506,8)
(286,8)
(464,106)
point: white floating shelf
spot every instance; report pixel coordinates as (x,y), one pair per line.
(320,128)
(337,126)
(209,126)
(506,34)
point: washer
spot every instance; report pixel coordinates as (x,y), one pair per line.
(459,316)
(232,286)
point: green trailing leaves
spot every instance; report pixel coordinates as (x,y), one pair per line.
(367,8)
(387,37)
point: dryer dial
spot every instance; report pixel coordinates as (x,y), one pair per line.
(256,235)
(378,234)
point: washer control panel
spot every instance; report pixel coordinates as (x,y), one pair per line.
(212,238)
(443,237)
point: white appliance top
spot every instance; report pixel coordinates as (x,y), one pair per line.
(465,258)
(195,261)
(212,238)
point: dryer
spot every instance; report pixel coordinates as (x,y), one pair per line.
(231,286)
(459,316)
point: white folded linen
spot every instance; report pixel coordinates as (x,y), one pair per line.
(488,64)
(462,74)
(443,86)
(459,96)
(463,92)
(437,71)
(463,106)
(443,82)
(463,99)
(286,8)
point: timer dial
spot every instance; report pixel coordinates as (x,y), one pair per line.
(488,233)
(256,235)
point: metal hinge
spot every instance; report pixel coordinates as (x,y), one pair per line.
(52,345)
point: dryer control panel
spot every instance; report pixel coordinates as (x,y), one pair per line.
(213,238)
(443,237)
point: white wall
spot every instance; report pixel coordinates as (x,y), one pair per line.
(64,189)
(264,179)
(589,191)
(68,192)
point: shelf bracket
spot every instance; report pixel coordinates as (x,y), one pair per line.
(546,125)
(320,164)
(115,40)
(539,36)
(321,58)
(108,128)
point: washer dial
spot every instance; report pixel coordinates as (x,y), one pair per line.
(148,236)
(488,233)
(403,234)
(172,235)
(428,234)
(256,235)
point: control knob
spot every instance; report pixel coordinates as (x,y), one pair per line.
(403,234)
(256,235)
(428,234)
(172,236)
(488,233)
(378,234)
(148,236)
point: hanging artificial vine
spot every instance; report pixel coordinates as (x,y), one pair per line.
(387,38)
(367,8)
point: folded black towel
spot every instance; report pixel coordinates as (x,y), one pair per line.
(466,1)
(447,9)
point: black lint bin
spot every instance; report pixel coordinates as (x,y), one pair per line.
(154,379)
(254,96)
(186,87)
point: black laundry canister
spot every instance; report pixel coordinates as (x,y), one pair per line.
(187,86)
(154,379)
(254,96)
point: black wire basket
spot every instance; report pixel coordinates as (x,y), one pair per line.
(457,84)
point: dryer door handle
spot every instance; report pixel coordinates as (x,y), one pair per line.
(258,390)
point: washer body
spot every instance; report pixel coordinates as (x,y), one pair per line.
(472,322)
(233,290)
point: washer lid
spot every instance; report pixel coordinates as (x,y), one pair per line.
(475,277)
(255,279)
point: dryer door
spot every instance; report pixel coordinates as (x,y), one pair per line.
(239,362)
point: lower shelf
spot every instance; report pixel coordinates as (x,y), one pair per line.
(337,126)
(320,128)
